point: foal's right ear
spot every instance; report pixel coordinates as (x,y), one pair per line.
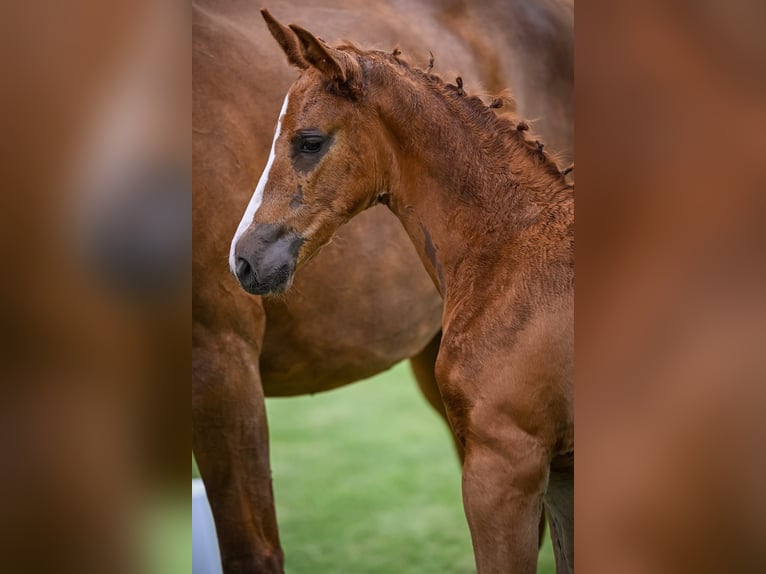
(287,39)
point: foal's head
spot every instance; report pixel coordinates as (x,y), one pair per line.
(329,161)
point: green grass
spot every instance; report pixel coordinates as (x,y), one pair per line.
(166,536)
(366,481)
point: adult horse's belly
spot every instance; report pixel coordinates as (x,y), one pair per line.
(360,306)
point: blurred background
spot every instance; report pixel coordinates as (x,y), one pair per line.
(670,308)
(95,220)
(94,420)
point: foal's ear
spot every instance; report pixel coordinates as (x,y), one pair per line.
(334,64)
(286,39)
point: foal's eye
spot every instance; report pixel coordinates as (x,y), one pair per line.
(311,144)
(307,147)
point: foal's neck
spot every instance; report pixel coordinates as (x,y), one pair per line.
(473,193)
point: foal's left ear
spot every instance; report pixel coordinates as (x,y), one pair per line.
(335,64)
(286,39)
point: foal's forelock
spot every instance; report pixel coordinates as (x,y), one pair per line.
(257,198)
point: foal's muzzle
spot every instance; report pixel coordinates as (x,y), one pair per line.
(265,258)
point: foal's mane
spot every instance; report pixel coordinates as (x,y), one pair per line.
(505,125)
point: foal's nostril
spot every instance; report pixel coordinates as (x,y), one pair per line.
(243,268)
(265,258)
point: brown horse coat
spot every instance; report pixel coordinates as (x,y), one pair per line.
(360,306)
(492,218)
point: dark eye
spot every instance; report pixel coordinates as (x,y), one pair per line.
(311,144)
(307,147)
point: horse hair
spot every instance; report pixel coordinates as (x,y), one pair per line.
(506,122)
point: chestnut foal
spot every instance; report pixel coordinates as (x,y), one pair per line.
(492,219)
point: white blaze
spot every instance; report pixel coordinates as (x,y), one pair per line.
(255,201)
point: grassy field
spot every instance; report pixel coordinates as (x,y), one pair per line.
(366,482)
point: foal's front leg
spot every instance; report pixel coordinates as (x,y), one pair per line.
(504,480)
(505,474)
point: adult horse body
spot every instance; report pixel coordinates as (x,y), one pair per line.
(361,306)
(492,219)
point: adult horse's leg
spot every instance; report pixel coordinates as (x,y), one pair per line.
(230,442)
(423,368)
